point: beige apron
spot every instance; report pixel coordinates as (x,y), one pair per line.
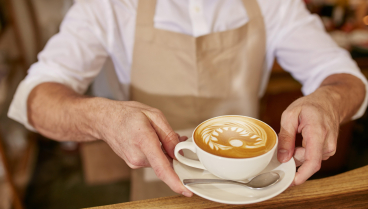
(192,79)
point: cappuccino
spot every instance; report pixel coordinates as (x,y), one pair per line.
(235,137)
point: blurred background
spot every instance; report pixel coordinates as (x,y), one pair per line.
(39,173)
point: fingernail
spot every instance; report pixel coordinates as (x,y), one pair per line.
(187,194)
(283,155)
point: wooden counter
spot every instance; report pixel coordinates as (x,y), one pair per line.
(347,190)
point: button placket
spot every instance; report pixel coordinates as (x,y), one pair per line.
(198,20)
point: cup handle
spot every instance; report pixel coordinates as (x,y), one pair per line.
(185,160)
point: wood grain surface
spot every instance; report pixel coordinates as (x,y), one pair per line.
(346,190)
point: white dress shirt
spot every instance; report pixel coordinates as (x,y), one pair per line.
(96,29)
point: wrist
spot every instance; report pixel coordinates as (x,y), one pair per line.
(332,101)
(93,110)
(347,93)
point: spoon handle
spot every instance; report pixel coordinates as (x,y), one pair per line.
(211,181)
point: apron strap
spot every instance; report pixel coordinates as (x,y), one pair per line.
(252,8)
(146,12)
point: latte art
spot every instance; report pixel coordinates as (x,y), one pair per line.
(227,135)
(234,136)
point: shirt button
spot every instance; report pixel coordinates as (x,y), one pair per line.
(197,9)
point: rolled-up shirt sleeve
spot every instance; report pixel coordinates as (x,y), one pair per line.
(72,57)
(305,49)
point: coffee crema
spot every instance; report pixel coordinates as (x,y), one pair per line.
(235,137)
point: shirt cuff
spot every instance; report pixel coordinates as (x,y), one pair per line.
(310,88)
(18,107)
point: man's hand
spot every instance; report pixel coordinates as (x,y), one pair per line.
(134,131)
(318,117)
(318,123)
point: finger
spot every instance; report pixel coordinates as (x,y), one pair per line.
(169,159)
(163,150)
(289,128)
(162,167)
(135,162)
(299,156)
(167,156)
(133,157)
(325,157)
(329,148)
(183,138)
(167,136)
(314,137)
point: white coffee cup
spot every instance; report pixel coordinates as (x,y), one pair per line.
(223,167)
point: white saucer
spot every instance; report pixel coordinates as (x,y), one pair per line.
(233,194)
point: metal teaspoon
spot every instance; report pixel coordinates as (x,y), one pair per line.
(259,182)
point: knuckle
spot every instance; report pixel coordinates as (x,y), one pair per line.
(136,161)
(130,164)
(326,157)
(133,166)
(331,150)
(157,111)
(317,167)
(287,114)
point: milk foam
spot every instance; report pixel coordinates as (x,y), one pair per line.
(228,135)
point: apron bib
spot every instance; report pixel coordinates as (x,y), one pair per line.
(191,79)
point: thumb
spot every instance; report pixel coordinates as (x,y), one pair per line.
(289,125)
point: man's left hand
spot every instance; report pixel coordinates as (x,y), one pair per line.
(316,118)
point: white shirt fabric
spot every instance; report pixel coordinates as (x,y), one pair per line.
(96,29)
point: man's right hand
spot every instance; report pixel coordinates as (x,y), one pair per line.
(134,131)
